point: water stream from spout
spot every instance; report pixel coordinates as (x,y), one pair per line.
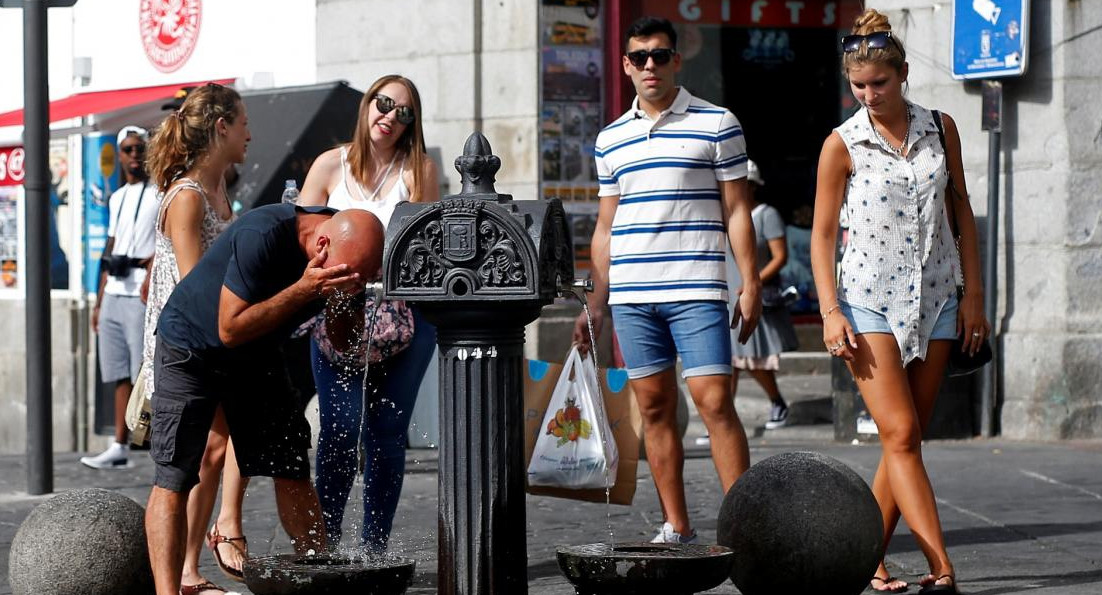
(369,320)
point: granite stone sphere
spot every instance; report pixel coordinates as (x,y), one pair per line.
(801,522)
(89,541)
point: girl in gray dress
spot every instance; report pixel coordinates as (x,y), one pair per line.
(760,355)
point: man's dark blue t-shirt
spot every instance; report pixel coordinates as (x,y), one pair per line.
(256,257)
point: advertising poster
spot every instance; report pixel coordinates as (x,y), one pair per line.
(571,108)
(100,180)
(11,180)
(9,237)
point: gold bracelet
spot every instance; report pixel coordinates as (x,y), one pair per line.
(831,309)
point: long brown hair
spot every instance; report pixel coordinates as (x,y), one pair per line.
(411,143)
(186,134)
(873,21)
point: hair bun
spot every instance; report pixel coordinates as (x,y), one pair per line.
(871,21)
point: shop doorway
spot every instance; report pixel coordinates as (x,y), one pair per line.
(784,86)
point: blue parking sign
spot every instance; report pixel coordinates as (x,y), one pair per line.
(990,38)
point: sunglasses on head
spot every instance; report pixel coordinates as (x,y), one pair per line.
(876,41)
(661,56)
(139,149)
(384,104)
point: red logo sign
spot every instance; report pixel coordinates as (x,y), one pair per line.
(169,30)
(11,166)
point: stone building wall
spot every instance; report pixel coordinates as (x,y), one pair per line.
(433,43)
(13,377)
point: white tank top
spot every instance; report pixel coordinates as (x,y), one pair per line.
(344,196)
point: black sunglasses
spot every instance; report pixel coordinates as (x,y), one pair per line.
(139,149)
(876,41)
(661,56)
(384,104)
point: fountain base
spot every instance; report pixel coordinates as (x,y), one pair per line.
(672,569)
(293,574)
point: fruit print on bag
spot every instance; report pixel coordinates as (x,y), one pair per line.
(568,425)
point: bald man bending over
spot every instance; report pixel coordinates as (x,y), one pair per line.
(218,342)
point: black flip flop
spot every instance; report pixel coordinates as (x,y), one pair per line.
(885,581)
(934,588)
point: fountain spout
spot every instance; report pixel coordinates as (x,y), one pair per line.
(374,290)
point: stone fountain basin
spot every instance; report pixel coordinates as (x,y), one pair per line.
(623,568)
(331,574)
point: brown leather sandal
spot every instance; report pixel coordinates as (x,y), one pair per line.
(197,589)
(214,539)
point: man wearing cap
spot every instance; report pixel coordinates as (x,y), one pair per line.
(119,315)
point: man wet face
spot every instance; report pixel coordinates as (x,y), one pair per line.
(132,155)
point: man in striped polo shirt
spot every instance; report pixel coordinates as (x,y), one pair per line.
(672,173)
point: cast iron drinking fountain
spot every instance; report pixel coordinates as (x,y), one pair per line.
(481,266)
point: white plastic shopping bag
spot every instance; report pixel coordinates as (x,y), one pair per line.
(575,448)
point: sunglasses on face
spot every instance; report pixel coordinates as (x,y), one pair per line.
(139,149)
(384,104)
(661,57)
(876,41)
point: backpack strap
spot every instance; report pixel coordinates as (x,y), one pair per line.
(950,187)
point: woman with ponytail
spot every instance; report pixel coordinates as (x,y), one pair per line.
(189,155)
(891,309)
(385,164)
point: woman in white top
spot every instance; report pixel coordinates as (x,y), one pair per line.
(385,164)
(893,312)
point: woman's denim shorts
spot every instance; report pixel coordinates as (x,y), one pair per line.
(864,320)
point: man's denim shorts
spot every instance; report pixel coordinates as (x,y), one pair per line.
(864,320)
(651,337)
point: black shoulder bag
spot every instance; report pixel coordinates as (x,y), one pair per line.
(961,363)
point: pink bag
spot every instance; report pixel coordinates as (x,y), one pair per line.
(392,333)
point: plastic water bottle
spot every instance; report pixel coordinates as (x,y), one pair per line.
(290,192)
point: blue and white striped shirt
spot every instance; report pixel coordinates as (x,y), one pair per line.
(668,235)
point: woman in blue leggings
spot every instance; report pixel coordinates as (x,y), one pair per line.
(392,390)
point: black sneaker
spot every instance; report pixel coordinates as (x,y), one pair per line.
(778,417)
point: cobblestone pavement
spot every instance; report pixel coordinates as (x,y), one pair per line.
(1018,517)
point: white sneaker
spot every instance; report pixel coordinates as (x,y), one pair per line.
(667,535)
(115,457)
(703,441)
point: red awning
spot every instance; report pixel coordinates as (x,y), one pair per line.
(82,104)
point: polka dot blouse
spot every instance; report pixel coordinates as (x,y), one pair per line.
(900,259)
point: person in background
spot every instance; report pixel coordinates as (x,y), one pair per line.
(760,356)
(385,164)
(672,174)
(118,317)
(891,310)
(193,147)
